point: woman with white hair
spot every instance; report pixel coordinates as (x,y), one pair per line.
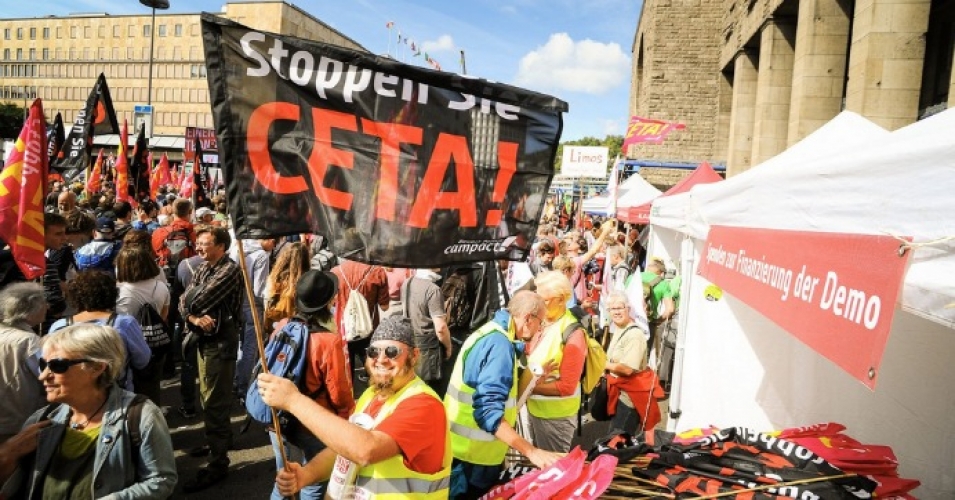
(22,307)
(626,356)
(84,442)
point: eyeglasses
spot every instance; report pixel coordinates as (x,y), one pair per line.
(616,309)
(390,352)
(60,365)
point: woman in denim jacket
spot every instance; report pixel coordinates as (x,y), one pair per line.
(80,445)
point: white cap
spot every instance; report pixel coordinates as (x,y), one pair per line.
(204,211)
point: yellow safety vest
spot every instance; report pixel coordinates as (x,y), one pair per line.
(390,478)
(468,441)
(551,347)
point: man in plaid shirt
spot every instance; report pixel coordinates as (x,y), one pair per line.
(210,309)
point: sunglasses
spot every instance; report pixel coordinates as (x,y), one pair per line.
(60,365)
(391,352)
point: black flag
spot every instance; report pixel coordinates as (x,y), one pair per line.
(139,167)
(200,179)
(56,139)
(98,117)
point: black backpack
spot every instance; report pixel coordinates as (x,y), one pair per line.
(155,330)
(458,304)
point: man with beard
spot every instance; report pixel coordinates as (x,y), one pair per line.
(405,451)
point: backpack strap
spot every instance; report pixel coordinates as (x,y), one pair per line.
(69,320)
(655,281)
(134,415)
(111,320)
(571,328)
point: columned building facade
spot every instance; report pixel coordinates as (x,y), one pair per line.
(785,67)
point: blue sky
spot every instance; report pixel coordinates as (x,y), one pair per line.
(576,50)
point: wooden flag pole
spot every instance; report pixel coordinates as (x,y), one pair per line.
(260,344)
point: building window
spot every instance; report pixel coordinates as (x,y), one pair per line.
(46,54)
(147,29)
(32,33)
(6,54)
(102,53)
(46,33)
(87,32)
(86,54)
(59,54)
(115,53)
(162,30)
(19,33)
(101,32)
(59,32)
(19,54)
(73,31)
(132,30)
(177,30)
(115,31)
(32,54)
(6,33)
(129,53)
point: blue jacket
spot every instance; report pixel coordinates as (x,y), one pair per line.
(116,475)
(489,369)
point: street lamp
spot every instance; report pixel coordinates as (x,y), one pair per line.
(161,5)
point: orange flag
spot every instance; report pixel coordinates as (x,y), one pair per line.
(122,166)
(22,190)
(93,183)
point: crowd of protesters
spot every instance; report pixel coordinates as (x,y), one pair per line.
(83,354)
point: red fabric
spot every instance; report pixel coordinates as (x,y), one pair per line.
(374,289)
(643,388)
(413,426)
(160,235)
(572,363)
(328,374)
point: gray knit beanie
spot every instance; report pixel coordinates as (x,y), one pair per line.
(395,327)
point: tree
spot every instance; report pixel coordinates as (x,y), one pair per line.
(11,121)
(614,143)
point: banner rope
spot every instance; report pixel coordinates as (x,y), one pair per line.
(906,244)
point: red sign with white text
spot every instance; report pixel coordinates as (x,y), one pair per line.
(835,292)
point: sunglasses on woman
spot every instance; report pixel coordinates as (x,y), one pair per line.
(60,365)
(391,352)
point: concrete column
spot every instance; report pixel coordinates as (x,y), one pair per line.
(742,116)
(773,89)
(723,115)
(886,59)
(819,67)
(951,85)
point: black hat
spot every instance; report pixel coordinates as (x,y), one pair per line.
(315,290)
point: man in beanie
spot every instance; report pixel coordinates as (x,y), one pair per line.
(403,448)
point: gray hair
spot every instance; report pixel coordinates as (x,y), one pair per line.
(100,344)
(618,297)
(19,301)
(525,302)
(617,251)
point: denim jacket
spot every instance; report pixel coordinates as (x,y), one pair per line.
(116,474)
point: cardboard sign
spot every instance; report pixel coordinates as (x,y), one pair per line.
(835,292)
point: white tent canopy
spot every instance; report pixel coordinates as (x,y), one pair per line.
(630,190)
(739,368)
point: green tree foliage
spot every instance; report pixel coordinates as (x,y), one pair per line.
(613,142)
(11,121)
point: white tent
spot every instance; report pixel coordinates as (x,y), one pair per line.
(736,367)
(632,190)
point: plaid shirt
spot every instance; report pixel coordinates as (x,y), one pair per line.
(222,287)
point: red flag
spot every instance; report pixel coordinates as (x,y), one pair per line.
(22,191)
(93,183)
(165,177)
(122,167)
(650,131)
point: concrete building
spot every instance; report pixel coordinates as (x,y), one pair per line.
(58,59)
(766,73)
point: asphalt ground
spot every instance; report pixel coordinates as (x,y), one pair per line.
(252,471)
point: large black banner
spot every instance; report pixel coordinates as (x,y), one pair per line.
(98,117)
(394,164)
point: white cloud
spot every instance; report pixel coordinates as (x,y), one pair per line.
(563,64)
(442,44)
